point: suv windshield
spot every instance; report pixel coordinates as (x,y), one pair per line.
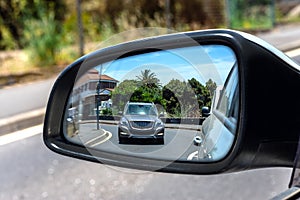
(140,110)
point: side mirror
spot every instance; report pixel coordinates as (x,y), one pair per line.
(178,72)
(205,111)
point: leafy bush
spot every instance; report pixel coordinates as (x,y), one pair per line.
(106,112)
(251,14)
(44,40)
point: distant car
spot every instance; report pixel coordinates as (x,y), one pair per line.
(140,121)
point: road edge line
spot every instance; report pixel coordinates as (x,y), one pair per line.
(21,121)
(21,134)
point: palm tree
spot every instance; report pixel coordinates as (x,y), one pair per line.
(148,78)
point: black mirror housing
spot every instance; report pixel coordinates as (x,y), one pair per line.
(268,80)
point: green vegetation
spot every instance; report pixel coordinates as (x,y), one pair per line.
(177,98)
(122,93)
(47,29)
(249,14)
(106,112)
(45,40)
(148,79)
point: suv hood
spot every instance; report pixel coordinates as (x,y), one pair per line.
(151,118)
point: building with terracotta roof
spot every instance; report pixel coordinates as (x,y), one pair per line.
(85,93)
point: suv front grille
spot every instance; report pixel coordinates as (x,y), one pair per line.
(142,124)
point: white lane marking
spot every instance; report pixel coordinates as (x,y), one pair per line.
(102,141)
(22,116)
(96,138)
(293,53)
(22,134)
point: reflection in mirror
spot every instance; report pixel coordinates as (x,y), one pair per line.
(175,104)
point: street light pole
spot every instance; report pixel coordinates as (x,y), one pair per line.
(97,102)
(228,13)
(80,27)
(168,14)
(98,98)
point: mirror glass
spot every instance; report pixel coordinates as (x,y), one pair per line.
(175,104)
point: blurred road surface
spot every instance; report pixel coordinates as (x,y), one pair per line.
(30,171)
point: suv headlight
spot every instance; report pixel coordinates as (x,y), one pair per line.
(124,121)
(158,123)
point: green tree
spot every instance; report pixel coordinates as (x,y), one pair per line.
(14,15)
(172,105)
(11,13)
(211,86)
(149,89)
(180,99)
(122,93)
(202,93)
(148,78)
(44,39)
(145,89)
(147,94)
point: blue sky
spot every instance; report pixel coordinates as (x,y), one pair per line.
(199,62)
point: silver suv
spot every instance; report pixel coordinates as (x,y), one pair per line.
(140,121)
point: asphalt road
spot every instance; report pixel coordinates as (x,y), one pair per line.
(283,37)
(30,171)
(24,98)
(178,143)
(297,59)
